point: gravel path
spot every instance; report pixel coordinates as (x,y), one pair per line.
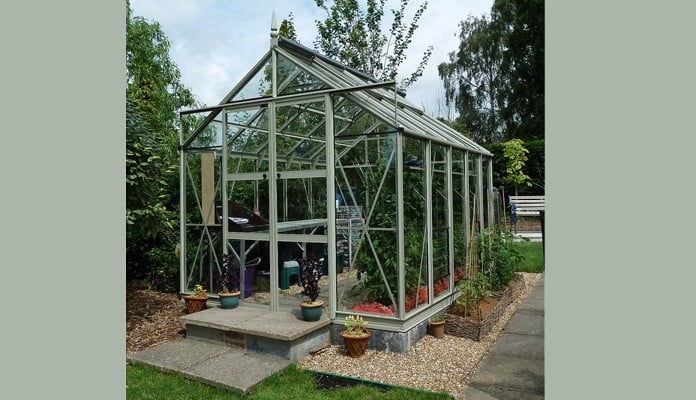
(440,365)
(432,364)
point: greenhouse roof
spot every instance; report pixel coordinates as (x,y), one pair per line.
(302,73)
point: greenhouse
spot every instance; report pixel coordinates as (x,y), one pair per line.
(306,158)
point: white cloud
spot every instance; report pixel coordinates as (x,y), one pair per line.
(216,42)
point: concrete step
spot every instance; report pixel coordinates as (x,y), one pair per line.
(281,334)
(216,364)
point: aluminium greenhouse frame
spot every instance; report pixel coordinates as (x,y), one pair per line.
(300,124)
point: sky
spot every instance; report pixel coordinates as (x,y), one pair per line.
(216,42)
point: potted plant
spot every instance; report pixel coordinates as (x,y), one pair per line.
(437,326)
(229,296)
(309,275)
(355,336)
(196,302)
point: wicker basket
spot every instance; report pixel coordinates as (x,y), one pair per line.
(476,330)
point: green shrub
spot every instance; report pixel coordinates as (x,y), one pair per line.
(499,255)
(472,290)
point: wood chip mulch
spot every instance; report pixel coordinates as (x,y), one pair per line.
(151,318)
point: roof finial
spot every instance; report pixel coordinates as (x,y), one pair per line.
(274,31)
(274,26)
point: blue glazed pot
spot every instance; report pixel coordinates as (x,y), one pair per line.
(229,300)
(311,311)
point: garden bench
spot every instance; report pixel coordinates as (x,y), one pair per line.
(525,206)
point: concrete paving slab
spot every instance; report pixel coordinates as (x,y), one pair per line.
(514,369)
(282,325)
(236,369)
(223,366)
(510,344)
(534,300)
(522,373)
(496,392)
(527,322)
(471,393)
(219,318)
(177,355)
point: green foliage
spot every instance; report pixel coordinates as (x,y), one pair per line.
(438,318)
(495,80)
(536,161)
(473,290)
(148,172)
(287,28)
(523,65)
(353,35)
(515,157)
(472,79)
(534,168)
(499,256)
(355,325)
(385,243)
(152,259)
(153,96)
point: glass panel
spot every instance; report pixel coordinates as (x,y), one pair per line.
(485,190)
(291,257)
(459,229)
(258,86)
(247,133)
(202,231)
(293,79)
(345,114)
(254,255)
(441,229)
(248,205)
(301,199)
(415,233)
(474,203)
(474,214)
(366,221)
(210,136)
(203,254)
(301,137)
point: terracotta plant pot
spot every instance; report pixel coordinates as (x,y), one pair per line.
(356,346)
(437,329)
(194,303)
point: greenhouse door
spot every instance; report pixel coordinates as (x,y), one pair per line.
(247,192)
(299,194)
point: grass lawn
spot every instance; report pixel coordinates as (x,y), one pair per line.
(533,256)
(145,383)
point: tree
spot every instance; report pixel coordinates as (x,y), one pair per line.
(154,94)
(354,37)
(287,28)
(496,78)
(515,158)
(472,79)
(522,23)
